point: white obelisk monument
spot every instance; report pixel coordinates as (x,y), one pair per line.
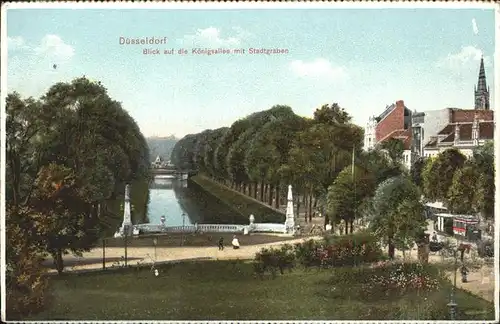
(290,219)
(127,217)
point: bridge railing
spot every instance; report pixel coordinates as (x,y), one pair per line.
(217,228)
(212,228)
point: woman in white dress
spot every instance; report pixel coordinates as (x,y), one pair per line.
(235,243)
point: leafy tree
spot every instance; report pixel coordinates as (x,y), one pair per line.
(483,159)
(68,156)
(277,137)
(222,150)
(375,161)
(332,115)
(183,154)
(78,128)
(25,281)
(64,219)
(394,148)
(346,194)
(462,191)
(29,126)
(258,161)
(396,212)
(235,159)
(485,195)
(321,151)
(210,147)
(416,171)
(199,149)
(409,224)
(438,174)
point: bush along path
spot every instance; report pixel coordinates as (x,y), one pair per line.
(362,248)
(279,257)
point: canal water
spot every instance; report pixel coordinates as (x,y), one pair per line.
(174,198)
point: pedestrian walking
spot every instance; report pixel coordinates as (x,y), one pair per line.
(464,271)
(221,244)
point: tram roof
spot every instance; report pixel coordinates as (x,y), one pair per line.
(468,217)
(437,205)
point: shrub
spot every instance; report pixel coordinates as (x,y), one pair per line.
(334,251)
(306,253)
(274,259)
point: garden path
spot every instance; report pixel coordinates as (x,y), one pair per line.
(481,279)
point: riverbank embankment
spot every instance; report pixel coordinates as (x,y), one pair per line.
(242,204)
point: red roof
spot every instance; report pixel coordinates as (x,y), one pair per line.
(467,115)
(402,134)
(486,132)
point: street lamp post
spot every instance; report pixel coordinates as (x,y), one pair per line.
(183,224)
(452,304)
(104,253)
(155,242)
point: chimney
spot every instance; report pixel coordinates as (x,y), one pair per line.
(475,130)
(457,133)
(400,103)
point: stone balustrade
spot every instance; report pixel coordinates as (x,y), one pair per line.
(211,228)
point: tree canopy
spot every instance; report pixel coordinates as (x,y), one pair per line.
(397,213)
(69,155)
(464,185)
(261,154)
(438,174)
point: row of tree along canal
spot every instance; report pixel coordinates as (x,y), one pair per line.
(261,154)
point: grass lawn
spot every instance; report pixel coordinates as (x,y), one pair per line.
(228,290)
(239,202)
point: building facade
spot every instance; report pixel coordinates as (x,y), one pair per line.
(369,139)
(394,122)
(424,125)
(466,130)
(425,134)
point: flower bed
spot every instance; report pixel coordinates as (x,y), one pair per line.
(395,278)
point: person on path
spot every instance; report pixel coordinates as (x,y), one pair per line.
(221,244)
(434,237)
(235,243)
(464,272)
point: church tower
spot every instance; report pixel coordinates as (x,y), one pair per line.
(482,91)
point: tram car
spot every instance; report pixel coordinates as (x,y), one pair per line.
(466,226)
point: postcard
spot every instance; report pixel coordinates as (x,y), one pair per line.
(220,161)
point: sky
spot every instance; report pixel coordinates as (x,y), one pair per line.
(362,59)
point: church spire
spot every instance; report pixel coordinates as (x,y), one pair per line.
(482,93)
